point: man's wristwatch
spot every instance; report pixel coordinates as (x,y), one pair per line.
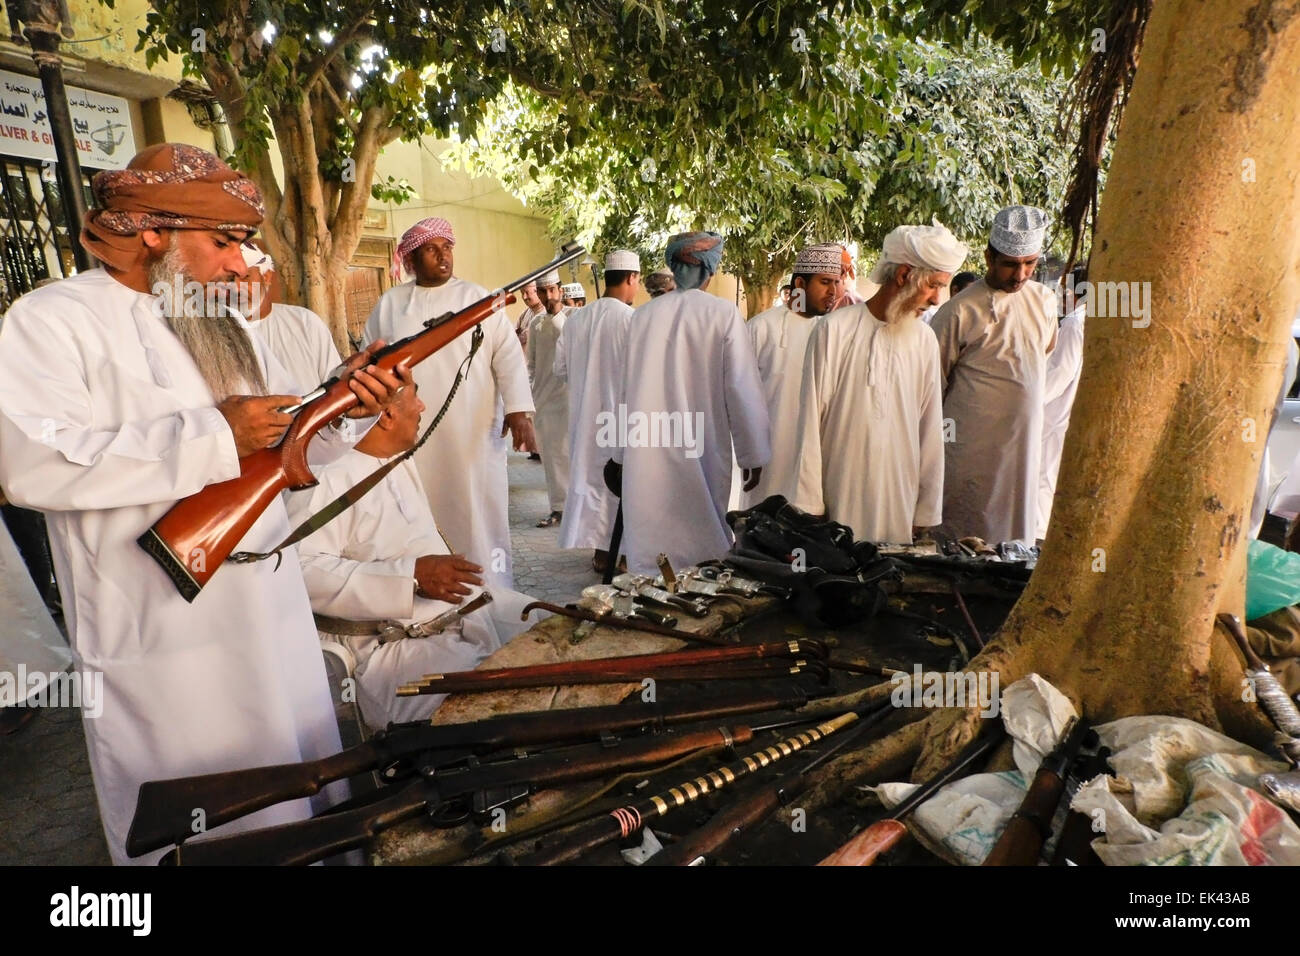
(418,592)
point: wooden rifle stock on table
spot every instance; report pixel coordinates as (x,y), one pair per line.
(774,656)
(297,844)
(198,533)
(164,808)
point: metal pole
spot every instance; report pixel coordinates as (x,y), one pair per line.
(42,29)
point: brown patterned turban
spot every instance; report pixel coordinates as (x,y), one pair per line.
(171,186)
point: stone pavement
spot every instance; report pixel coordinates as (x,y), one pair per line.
(47,802)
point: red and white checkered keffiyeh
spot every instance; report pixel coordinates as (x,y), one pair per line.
(424,230)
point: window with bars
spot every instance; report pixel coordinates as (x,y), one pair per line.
(34,241)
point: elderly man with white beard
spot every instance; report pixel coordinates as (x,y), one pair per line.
(994,340)
(870,412)
(113,405)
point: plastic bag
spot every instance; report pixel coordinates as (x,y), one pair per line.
(1272,579)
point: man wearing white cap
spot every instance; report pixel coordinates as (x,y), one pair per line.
(994,339)
(462,466)
(870,411)
(551,395)
(780,338)
(590,355)
(575,296)
(691,393)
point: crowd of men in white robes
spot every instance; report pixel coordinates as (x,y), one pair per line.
(116,400)
(906,411)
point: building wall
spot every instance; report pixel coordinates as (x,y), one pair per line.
(497,237)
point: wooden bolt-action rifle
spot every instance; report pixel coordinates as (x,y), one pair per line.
(165,808)
(198,533)
(884,835)
(628,820)
(609,670)
(297,844)
(1031,826)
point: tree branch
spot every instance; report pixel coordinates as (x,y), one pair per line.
(317,67)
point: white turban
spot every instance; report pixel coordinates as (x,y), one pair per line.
(926,247)
(574,290)
(551,278)
(1018,231)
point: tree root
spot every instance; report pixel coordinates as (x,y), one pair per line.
(888,758)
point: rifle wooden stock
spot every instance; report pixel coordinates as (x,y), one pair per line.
(311,840)
(199,532)
(164,810)
(884,835)
(1022,840)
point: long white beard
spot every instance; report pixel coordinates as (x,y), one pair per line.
(218,344)
(903,306)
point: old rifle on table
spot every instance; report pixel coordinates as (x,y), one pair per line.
(198,533)
(708,663)
(310,840)
(628,820)
(165,808)
(883,835)
(1030,827)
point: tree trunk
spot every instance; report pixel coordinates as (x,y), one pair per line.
(313,224)
(1147,538)
(760,295)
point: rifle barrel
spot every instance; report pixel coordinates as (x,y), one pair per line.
(636,665)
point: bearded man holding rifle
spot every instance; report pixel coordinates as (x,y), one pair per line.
(114,403)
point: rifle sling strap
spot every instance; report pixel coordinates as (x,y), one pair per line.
(354,494)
